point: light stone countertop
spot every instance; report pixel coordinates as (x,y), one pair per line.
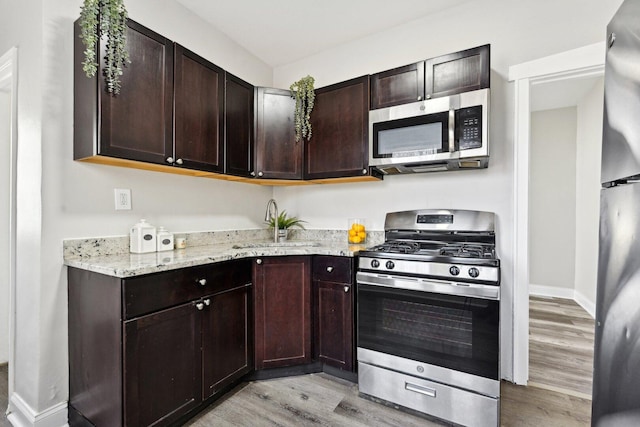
(115,263)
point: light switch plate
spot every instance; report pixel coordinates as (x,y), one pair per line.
(123,199)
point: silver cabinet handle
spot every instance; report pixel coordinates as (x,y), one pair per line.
(179,162)
(202,282)
(258,261)
(419,97)
(427,391)
(346,289)
(329,269)
(612,39)
(199,306)
(260,174)
(253,173)
(169,159)
(364,171)
(207,302)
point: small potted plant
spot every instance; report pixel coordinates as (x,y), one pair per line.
(286,222)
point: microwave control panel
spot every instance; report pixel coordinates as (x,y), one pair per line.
(469,127)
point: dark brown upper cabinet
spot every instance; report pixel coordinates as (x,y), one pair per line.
(458,72)
(239,139)
(137,123)
(444,75)
(339,121)
(398,86)
(170,110)
(278,155)
(199,112)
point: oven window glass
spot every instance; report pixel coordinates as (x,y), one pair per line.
(453,332)
(411,136)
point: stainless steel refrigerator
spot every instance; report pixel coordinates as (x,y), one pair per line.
(616,382)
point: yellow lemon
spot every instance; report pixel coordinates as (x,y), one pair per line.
(352,232)
(359,227)
(362,235)
(356,239)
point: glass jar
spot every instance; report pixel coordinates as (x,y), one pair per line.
(356,231)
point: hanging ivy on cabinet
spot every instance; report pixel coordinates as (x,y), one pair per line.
(105,18)
(302,91)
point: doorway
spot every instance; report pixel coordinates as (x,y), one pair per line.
(579,63)
(8,150)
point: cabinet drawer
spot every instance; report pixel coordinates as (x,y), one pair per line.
(157,291)
(332,269)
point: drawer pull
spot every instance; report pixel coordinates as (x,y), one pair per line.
(200,306)
(420,389)
(258,261)
(207,302)
(202,282)
(329,269)
(346,289)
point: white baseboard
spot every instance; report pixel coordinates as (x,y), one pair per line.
(566,293)
(550,291)
(23,415)
(586,303)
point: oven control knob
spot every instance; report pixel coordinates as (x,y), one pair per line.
(390,265)
(375,263)
(454,270)
(474,272)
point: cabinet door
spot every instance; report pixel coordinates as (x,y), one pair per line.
(278,155)
(162,366)
(239,106)
(338,146)
(398,86)
(199,108)
(226,339)
(282,311)
(334,324)
(458,72)
(137,124)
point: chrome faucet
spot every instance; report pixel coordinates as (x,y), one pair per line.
(268,216)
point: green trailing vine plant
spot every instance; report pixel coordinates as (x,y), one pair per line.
(105,18)
(302,91)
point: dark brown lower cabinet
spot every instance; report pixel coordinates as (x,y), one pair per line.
(282,311)
(334,325)
(162,365)
(226,340)
(151,349)
(334,304)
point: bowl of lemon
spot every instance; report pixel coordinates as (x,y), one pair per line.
(357,231)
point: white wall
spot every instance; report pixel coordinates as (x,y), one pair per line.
(552,198)
(5,158)
(589,153)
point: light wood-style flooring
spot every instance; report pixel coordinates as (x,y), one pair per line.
(4,393)
(559,393)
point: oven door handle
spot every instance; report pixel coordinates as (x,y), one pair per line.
(474,290)
(427,391)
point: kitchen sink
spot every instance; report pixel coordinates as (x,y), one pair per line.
(288,244)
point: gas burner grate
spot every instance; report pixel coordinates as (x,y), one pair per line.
(465,250)
(398,247)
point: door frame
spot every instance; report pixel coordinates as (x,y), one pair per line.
(9,80)
(587,61)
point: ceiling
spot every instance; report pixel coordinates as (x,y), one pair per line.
(280,32)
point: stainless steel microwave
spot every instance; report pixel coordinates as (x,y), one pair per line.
(437,134)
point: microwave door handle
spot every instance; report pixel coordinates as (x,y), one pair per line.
(452,131)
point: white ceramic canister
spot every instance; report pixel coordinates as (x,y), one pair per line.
(164,240)
(142,238)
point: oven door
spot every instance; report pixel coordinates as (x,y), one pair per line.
(444,324)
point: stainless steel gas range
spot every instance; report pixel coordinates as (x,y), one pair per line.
(428,316)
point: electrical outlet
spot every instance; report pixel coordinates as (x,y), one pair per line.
(123,199)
